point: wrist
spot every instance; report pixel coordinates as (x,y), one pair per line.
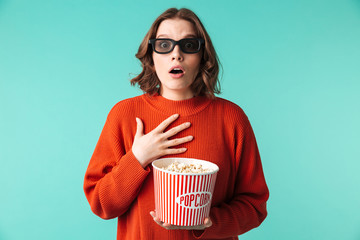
(140,159)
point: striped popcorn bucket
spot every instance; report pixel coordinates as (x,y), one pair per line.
(183,199)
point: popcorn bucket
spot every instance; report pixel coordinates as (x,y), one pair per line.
(183,199)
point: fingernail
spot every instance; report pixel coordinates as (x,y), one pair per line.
(176,115)
(187,124)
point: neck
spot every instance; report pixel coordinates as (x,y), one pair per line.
(177,96)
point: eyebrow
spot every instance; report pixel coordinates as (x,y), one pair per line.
(186,36)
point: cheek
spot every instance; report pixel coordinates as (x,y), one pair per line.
(159,64)
(195,63)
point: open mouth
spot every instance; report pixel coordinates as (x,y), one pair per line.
(176,71)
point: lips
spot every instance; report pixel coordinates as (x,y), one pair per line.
(177,71)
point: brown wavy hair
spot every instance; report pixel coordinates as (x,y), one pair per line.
(206,82)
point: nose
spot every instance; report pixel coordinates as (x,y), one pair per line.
(177,54)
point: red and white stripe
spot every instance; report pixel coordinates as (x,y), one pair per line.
(169,186)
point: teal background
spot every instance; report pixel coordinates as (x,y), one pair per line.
(293,66)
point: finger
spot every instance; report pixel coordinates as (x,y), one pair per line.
(139,128)
(174,151)
(167,225)
(163,125)
(155,218)
(178,141)
(207,222)
(176,130)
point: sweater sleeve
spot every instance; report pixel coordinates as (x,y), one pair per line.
(113,177)
(247,209)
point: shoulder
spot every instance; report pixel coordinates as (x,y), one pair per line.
(227,103)
(126,103)
(230,108)
(125,107)
(233,116)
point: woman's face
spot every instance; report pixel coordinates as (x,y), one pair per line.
(176,86)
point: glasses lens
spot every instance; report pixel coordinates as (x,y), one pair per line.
(190,45)
(163,45)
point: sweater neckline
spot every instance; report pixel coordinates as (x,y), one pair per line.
(186,107)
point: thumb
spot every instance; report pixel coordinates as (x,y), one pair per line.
(139,128)
(207,222)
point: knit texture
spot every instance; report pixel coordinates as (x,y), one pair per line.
(116,185)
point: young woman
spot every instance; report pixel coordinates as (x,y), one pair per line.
(177,116)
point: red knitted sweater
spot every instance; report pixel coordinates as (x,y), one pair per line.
(117,186)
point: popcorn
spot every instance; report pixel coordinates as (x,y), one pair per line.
(186,168)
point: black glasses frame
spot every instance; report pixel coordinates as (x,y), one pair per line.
(174,43)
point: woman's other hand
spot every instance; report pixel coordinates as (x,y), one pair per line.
(146,148)
(207,223)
